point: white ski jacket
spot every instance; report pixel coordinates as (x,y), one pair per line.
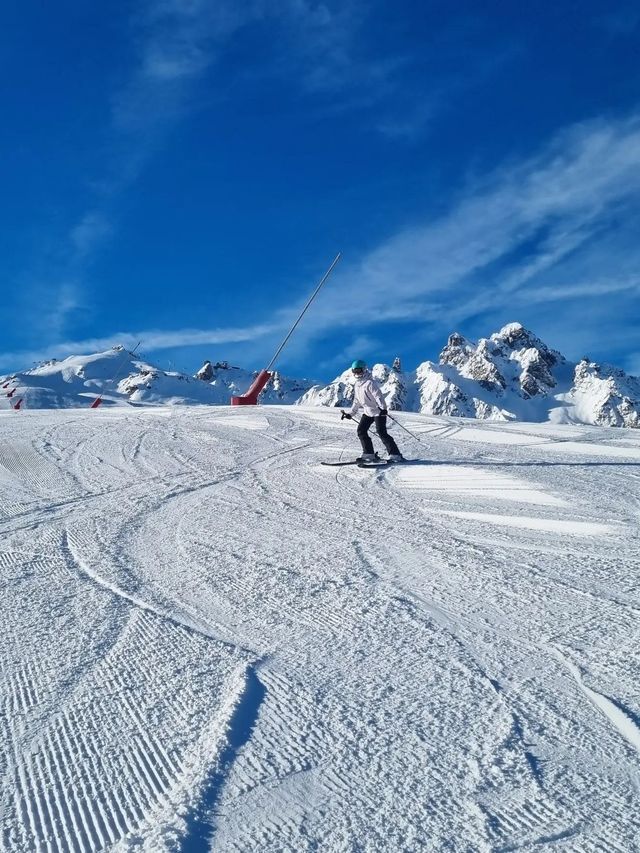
(367,396)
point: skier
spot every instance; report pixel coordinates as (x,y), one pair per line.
(368,397)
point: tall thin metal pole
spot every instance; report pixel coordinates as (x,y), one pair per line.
(302,313)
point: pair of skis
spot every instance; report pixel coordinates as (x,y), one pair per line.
(376,463)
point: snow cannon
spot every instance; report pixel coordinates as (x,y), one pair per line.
(250,397)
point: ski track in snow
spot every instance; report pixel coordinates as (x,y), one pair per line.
(212,641)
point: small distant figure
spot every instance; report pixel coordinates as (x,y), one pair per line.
(368,397)
(397,365)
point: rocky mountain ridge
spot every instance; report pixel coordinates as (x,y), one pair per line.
(119,377)
(511,375)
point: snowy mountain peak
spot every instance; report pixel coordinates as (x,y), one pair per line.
(493,377)
(606,395)
(457,351)
(513,358)
(340,392)
(514,334)
(511,375)
(120,377)
(205,373)
(515,338)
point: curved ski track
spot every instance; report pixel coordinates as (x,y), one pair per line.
(209,639)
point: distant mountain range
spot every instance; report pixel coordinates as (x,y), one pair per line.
(119,377)
(512,375)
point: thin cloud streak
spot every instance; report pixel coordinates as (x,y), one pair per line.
(89,233)
(633,364)
(588,288)
(359,347)
(568,193)
(151,340)
(65,301)
(174,44)
(463,263)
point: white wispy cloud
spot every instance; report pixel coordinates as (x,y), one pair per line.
(409,114)
(506,231)
(324,46)
(175,42)
(410,125)
(151,340)
(514,238)
(55,293)
(360,346)
(632,364)
(62,302)
(597,288)
(88,234)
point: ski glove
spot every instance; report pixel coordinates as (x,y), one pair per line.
(383,413)
(347,416)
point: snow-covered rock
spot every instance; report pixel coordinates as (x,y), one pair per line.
(511,375)
(394,386)
(605,395)
(441,391)
(282,389)
(336,393)
(206,372)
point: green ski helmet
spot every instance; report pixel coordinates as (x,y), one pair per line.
(359,364)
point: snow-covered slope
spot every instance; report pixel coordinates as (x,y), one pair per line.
(211,641)
(512,375)
(119,377)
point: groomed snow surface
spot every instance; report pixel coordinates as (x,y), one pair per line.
(212,641)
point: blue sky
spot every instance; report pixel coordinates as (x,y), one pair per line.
(182,172)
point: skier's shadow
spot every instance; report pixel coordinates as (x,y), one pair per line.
(496,463)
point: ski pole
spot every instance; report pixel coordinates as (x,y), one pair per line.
(414,437)
(343,417)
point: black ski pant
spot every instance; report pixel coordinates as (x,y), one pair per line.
(381,426)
